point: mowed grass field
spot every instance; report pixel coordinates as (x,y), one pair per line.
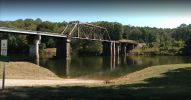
(164,82)
(25,70)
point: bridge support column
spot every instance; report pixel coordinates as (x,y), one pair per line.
(113,49)
(123,48)
(107,48)
(63,48)
(33,41)
(117,49)
(130,47)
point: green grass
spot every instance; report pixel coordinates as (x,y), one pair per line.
(166,82)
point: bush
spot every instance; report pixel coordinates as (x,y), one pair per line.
(84,47)
(42,47)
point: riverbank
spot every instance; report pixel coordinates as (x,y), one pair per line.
(152,72)
(157,51)
(26,70)
(165,82)
(29,74)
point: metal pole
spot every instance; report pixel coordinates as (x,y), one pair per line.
(3,76)
(78,29)
(86,31)
(69,28)
(93,32)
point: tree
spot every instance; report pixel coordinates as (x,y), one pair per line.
(47,27)
(136,34)
(19,24)
(126,31)
(118,31)
(28,22)
(38,21)
(145,34)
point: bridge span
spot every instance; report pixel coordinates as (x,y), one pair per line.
(74,30)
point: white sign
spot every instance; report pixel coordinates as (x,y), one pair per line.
(4,47)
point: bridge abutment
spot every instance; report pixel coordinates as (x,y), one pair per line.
(33,41)
(63,48)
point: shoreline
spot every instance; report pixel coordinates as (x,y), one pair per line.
(46,77)
(162,82)
(29,74)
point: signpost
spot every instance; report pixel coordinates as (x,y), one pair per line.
(4,47)
(4,58)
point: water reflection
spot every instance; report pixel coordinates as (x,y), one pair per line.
(67,67)
(97,67)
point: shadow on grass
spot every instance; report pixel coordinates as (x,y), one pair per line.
(175,85)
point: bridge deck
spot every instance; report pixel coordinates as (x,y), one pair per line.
(29,32)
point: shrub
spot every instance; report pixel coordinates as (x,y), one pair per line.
(42,47)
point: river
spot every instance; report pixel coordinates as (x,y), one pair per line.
(98,67)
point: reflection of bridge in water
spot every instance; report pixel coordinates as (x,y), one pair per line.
(74,30)
(109,65)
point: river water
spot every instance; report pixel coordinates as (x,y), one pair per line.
(98,67)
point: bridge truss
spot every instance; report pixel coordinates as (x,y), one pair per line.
(81,30)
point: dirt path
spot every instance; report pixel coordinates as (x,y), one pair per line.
(25,82)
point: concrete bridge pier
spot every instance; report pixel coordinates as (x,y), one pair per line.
(113,49)
(33,41)
(116,49)
(107,48)
(123,48)
(130,47)
(63,48)
(110,49)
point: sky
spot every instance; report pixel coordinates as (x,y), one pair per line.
(152,13)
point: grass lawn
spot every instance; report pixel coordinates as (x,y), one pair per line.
(25,70)
(165,82)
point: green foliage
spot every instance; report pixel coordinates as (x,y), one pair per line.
(42,46)
(126,31)
(188,42)
(178,43)
(157,38)
(145,47)
(16,43)
(48,27)
(118,30)
(115,29)
(84,47)
(187,48)
(136,34)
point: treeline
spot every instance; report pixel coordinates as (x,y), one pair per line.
(179,38)
(163,41)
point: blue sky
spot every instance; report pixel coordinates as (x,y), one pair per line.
(152,13)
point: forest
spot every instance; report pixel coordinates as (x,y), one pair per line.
(162,41)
